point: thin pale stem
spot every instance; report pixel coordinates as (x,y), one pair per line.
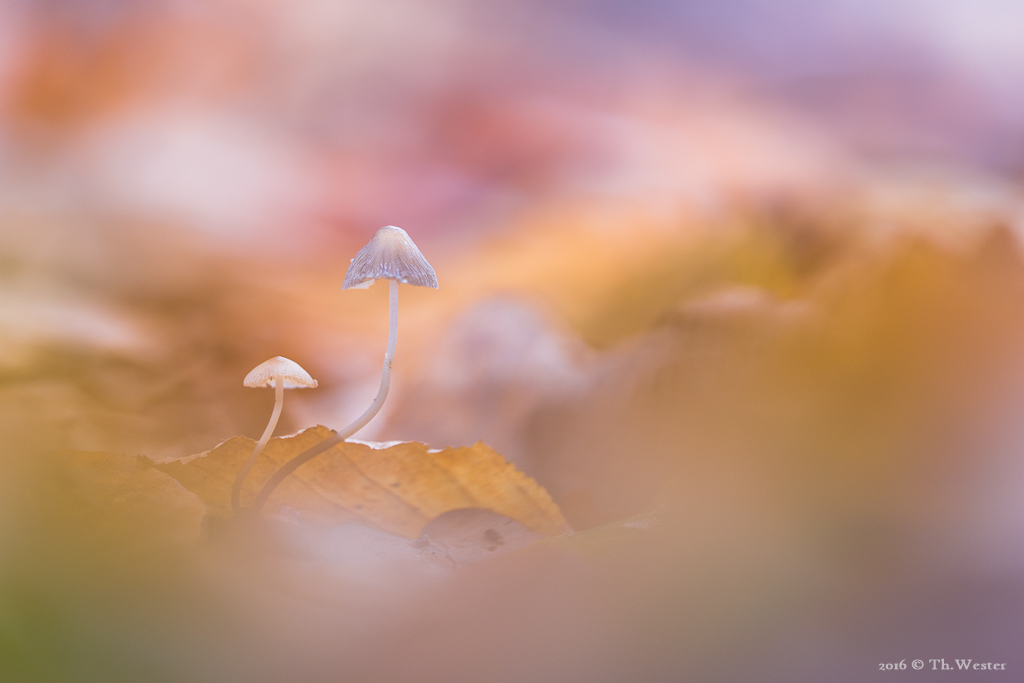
(382,394)
(236,490)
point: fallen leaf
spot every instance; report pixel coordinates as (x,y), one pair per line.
(471,534)
(398,489)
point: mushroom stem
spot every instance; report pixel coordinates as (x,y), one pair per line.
(385,374)
(236,489)
(389,353)
(360,422)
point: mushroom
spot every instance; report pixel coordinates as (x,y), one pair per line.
(391,255)
(280,373)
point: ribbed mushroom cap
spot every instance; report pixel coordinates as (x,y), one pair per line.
(390,255)
(294,376)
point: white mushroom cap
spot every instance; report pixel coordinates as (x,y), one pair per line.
(291,372)
(390,255)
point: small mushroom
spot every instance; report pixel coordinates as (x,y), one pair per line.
(391,255)
(280,373)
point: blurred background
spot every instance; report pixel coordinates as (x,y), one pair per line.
(738,282)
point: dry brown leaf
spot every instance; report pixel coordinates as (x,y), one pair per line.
(397,489)
(471,535)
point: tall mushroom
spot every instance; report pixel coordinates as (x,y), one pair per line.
(280,373)
(391,255)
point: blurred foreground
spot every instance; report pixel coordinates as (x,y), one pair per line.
(787,452)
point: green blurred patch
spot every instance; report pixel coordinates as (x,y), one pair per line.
(34,642)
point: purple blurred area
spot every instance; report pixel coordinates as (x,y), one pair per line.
(932,82)
(279,125)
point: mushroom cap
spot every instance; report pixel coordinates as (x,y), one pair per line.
(390,255)
(294,376)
